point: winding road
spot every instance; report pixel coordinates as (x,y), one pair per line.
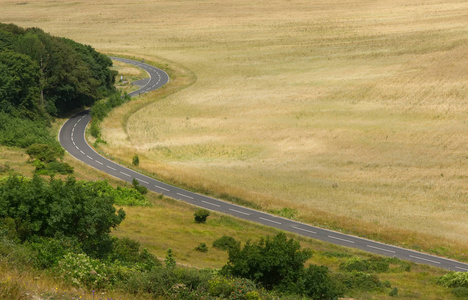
(72,138)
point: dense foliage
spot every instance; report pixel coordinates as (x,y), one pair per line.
(72,209)
(41,74)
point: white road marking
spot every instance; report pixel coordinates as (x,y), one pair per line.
(462,268)
(99,162)
(238,211)
(143,181)
(270,220)
(74,143)
(161,188)
(337,238)
(110,168)
(433,261)
(304,230)
(211,203)
(391,251)
(124,174)
(89,157)
(74,125)
(184,196)
(82,152)
(72,136)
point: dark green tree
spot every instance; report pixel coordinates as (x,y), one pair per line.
(271,261)
(19,85)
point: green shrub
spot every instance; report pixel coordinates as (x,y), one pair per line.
(356,264)
(95,129)
(360,281)
(201,215)
(225,243)
(202,247)
(45,153)
(141,189)
(393,292)
(454,279)
(336,254)
(460,292)
(128,252)
(136,160)
(80,270)
(48,251)
(232,288)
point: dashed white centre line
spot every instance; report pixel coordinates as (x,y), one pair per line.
(110,168)
(238,211)
(184,196)
(124,174)
(82,152)
(89,157)
(382,249)
(210,203)
(164,189)
(99,162)
(304,229)
(270,220)
(421,258)
(462,268)
(340,239)
(143,181)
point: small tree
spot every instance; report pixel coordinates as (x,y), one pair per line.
(136,160)
(141,189)
(201,215)
(202,247)
(170,260)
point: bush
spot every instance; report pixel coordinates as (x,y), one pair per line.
(356,264)
(48,251)
(82,271)
(361,281)
(393,292)
(273,261)
(455,279)
(136,160)
(128,252)
(232,288)
(225,243)
(45,153)
(460,292)
(95,129)
(141,189)
(201,215)
(202,247)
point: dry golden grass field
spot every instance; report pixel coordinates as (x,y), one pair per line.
(354,113)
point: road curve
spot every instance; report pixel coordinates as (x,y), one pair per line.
(72,138)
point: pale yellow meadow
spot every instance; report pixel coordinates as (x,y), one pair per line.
(354,113)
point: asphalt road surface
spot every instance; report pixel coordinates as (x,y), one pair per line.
(72,138)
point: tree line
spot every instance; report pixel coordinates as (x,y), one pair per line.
(43,75)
